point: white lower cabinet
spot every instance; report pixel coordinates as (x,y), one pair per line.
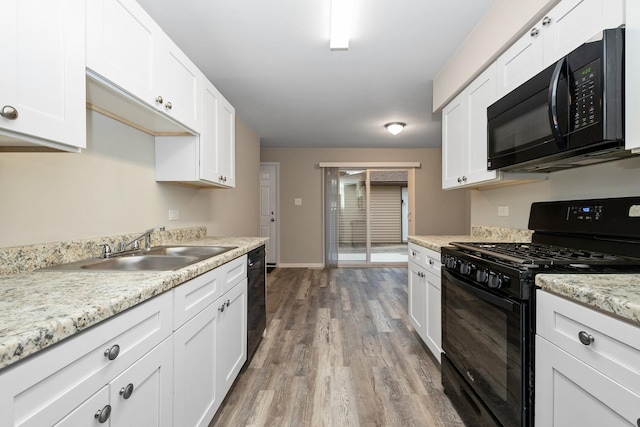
(210,346)
(195,399)
(140,368)
(56,384)
(232,336)
(587,369)
(425,296)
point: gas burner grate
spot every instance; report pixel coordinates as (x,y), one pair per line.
(542,255)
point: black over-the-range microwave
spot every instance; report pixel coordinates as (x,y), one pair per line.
(571,114)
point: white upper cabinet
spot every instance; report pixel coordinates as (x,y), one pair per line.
(226,137)
(464,134)
(42,83)
(632,65)
(207,159)
(567,26)
(128,51)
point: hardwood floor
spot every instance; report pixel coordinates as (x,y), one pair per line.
(339,351)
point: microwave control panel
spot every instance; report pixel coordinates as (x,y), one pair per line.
(586,107)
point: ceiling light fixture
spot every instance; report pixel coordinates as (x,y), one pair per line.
(341,11)
(395,127)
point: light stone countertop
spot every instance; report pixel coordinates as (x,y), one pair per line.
(617,294)
(478,234)
(41,308)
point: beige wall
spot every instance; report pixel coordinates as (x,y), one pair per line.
(614,179)
(110,188)
(503,23)
(301,239)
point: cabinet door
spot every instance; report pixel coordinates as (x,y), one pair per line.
(209,142)
(42,76)
(523,60)
(571,393)
(632,65)
(85,414)
(124,46)
(417,298)
(573,22)
(142,395)
(227,143)
(231,348)
(480,94)
(433,326)
(195,399)
(453,143)
(180,84)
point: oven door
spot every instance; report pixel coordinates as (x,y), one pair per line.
(485,336)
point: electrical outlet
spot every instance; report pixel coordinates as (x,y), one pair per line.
(297,202)
(503,210)
(174,215)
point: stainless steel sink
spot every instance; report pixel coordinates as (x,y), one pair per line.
(197,251)
(142,262)
(160,258)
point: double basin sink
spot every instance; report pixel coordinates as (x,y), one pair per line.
(160,258)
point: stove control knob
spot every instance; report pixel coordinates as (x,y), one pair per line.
(467,269)
(452,262)
(482,276)
(495,280)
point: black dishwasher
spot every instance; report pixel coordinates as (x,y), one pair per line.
(256,300)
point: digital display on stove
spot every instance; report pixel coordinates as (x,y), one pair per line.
(584,213)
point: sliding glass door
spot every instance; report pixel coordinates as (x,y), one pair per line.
(371,219)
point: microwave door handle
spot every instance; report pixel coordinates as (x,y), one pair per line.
(553,102)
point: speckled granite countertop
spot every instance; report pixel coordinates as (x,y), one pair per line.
(478,234)
(617,294)
(40,308)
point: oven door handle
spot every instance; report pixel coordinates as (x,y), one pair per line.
(483,295)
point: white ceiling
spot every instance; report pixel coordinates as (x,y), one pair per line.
(271,60)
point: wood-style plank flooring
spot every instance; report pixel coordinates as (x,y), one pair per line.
(339,351)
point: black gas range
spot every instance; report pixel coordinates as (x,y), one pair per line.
(488,300)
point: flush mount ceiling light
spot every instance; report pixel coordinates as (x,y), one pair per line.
(341,11)
(395,127)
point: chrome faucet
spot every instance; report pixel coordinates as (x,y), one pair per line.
(147,240)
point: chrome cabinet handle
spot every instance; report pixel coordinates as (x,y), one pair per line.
(546,21)
(459,180)
(221,308)
(113,352)
(430,262)
(127,391)
(159,99)
(168,106)
(103,414)
(464,178)
(228,302)
(585,338)
(534,32)
(9,113)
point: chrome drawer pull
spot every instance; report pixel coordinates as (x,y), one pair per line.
(113,352)
(585,338)
(127,391)
(103,414)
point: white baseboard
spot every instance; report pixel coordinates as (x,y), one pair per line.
(300,265)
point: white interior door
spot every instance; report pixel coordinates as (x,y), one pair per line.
(269,209)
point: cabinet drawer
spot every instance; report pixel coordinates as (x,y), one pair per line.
(425,258)
(50,384)
(615,346)
(233,273)
(194,296)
